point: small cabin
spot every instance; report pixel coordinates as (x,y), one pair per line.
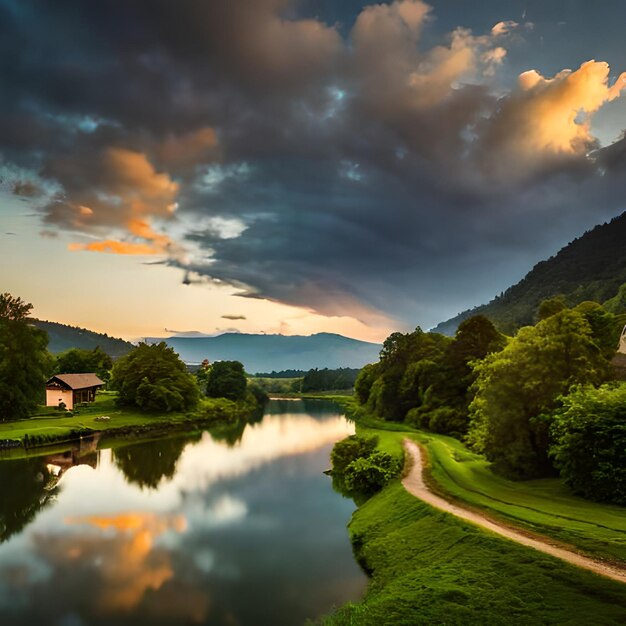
(72,389)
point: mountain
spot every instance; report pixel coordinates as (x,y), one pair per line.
(62,337)
(264,353)
(592,267)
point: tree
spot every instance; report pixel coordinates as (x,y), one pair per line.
(364,382)
(226,379)
(520,386)
(550,307)
(77,361)
(589,449)
(445,404)
(152,377)
(401,382)
(606,327)
(24,361)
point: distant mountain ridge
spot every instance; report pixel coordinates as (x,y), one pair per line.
(592,267)
(264,353)
(62,337)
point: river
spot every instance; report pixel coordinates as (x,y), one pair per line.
(234,527)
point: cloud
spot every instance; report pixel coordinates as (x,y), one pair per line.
(116,188)
(26,189)
(374,168)
(234,317)
(504,28)
(547,118)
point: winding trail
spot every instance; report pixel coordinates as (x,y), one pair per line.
(414,483)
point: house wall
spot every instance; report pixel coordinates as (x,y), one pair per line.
(54,396)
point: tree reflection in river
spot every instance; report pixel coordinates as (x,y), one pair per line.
(26,489)
(146,464)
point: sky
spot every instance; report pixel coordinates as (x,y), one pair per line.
(299,166)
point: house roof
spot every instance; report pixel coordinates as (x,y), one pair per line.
(77,381)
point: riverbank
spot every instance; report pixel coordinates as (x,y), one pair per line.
(427,566)
(50,427)
(543,507)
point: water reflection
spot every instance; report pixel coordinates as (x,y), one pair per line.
(148,463)
(26,490)
(222,529)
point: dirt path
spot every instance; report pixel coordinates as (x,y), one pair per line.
(414,484)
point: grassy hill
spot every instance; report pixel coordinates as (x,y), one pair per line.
(63,337)
(263,353)
(592,267)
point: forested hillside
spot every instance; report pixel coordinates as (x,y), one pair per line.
(62,337)
(592,267)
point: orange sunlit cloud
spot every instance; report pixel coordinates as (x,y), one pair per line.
(110,246)
(141,192)
(556,104)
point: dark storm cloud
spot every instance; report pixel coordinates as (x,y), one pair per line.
(357,168)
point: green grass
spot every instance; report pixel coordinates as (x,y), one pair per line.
(428,567)
(49,427)
(52,423)
(545,507)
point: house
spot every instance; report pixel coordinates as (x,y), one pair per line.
(72,389)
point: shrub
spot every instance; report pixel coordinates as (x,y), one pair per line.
(367,475)
(350,449)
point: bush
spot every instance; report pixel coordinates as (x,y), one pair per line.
(259,394)
(350,449)
(367,475)
(589,447)
(359,469)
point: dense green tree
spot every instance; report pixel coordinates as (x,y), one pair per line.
(329,379)
(550,307)
(152,377)
(401,383)
(77,361)
(226,379)
(364,381)
(589,448)
(605,327)
(24,361)
(445,403)
(518,387)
